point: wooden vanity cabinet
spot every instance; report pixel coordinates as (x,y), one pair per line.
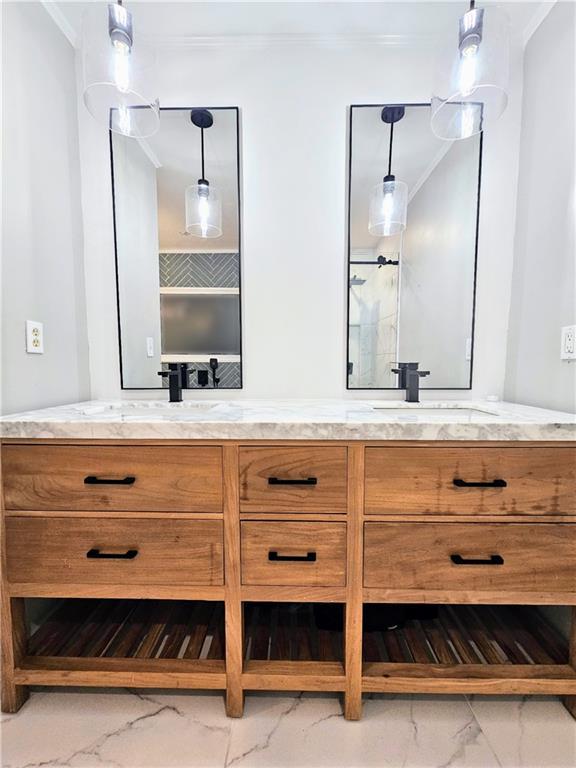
(487,480)
(114,478)
(179,563)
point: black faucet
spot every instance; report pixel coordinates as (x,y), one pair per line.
(177,374)
(214,367)
(409,379)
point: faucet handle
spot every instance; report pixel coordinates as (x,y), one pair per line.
(168,373)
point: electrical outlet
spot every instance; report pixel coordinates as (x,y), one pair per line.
(34,337)
(150,346)
(568,345)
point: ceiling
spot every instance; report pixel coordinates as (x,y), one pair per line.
(390,22)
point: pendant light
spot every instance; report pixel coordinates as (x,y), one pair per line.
(203,205)
(117,70)
(472,84)
(389,200)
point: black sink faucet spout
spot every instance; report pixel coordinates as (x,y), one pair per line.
(409,379)
(177,374)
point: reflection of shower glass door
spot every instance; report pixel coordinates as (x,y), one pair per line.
(354,353)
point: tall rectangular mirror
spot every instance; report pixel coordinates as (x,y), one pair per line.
(411,294)
(177,237)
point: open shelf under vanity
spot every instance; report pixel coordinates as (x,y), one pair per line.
(128,642)
(474,649)
(287,647)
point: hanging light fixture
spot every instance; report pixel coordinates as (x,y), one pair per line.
(472,84)
(117,71)
(389,200)
(203,205)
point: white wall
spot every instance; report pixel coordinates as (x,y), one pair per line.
(544,284)
(437,264)
(293,99)
(42,268)
(544,281)
(138,268)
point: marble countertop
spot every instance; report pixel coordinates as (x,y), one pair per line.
(292,420)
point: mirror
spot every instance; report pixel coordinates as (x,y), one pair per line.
(177,236)
(411,293)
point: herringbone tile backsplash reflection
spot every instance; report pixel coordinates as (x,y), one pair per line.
(199,270)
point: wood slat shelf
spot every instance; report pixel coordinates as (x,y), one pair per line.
(465,649)
(130,629)
(288,632)
(469,635)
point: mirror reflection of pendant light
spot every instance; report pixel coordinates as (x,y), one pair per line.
(472,89)
(203,205)
(389,200)
(118,70)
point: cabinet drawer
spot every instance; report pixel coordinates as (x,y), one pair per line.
(294,554)
(66,551)
(464,481)
(470,556)
(293,479)
(118,478)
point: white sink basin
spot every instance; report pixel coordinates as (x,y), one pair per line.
(415,411)
(145,407)
(165,405)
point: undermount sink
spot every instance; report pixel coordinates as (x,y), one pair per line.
(413,411)
(147,406)
(166,405)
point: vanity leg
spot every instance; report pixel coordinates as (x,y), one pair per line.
(353,609)
(234,612)
(570,701)
(13,649)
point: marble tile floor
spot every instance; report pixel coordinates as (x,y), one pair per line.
(160,729)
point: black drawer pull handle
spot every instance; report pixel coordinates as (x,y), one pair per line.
(95,554)
(93,480)
(498,483)
(274,557)
(292,481)
(492,560)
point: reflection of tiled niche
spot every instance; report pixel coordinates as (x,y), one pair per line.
(228,373)
(203,270)
(199,270)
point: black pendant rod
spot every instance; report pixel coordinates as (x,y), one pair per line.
(202,149)
(390,150)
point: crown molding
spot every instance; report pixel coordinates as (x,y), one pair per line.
(61,22)
(540,14)
(289,39)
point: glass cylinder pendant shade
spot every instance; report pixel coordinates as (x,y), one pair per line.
(203,210)
(388,206)
(118,70)
(471,89)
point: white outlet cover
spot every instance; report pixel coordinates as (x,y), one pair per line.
(34,337)
(150,346)
(568,343)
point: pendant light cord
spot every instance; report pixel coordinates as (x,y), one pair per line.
(390,149)
(202,149)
